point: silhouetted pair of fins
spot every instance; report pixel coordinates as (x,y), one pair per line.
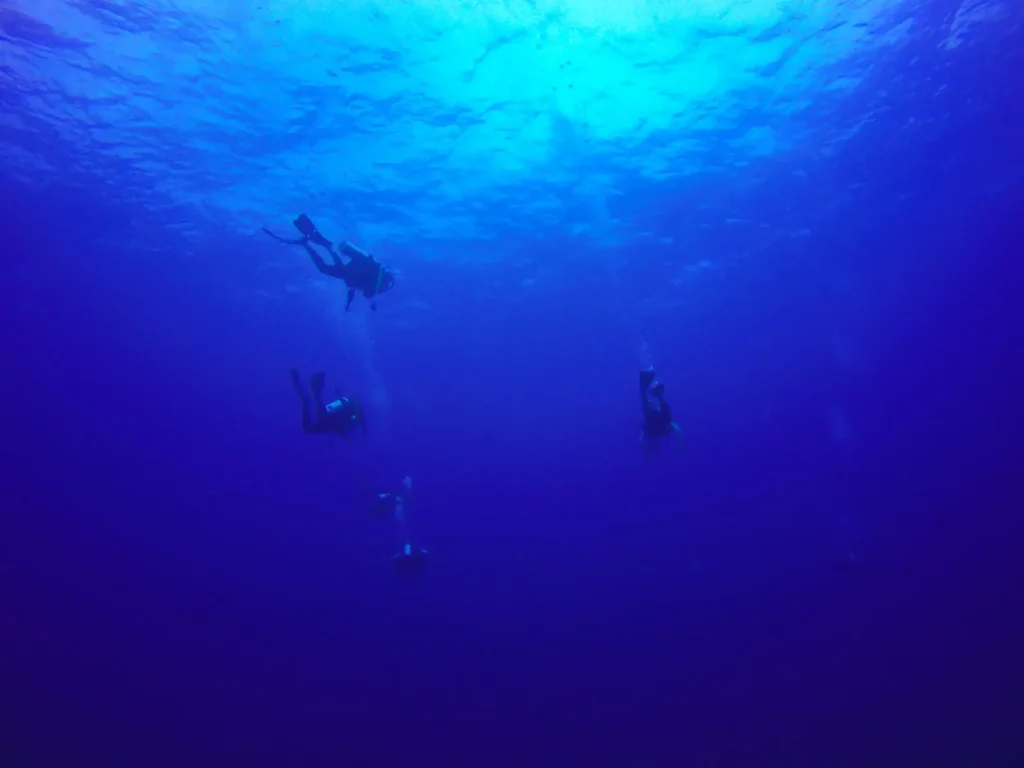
(316,382)
(309,232)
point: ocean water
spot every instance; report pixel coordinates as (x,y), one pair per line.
(804,214)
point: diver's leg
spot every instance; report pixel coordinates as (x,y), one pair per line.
(309,231)
(309,426)
(646,379)
(318,261)
(316,386)
(297,383)
(349,297)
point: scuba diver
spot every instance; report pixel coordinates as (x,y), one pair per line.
(657,412)
(340,416)
(362,272)
(393,502)
(411,560)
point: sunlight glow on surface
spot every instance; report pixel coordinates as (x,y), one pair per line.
(442,116)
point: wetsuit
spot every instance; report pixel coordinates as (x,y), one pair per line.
(361,273)
(340,416)
(656,410)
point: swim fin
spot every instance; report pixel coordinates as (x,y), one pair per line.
(306,226)
(300,241)
(297,383)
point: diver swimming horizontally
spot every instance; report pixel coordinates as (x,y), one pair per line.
(340,416)
(657,412)
(362,272)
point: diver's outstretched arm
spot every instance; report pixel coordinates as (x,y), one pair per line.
(349,298)
(376,287)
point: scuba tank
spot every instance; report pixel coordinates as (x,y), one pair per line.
(337,405)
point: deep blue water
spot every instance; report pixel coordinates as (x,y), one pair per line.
(806,216)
